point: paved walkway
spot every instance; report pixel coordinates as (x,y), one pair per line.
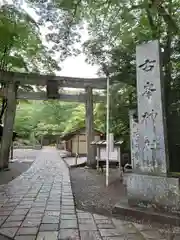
(39,205)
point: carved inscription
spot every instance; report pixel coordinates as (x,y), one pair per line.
(148,90)
(148,65)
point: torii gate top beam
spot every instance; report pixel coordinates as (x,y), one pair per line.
(41,80)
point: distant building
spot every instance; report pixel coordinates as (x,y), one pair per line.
(50,139)
(75,142)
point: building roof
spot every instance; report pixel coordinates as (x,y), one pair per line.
(69,135)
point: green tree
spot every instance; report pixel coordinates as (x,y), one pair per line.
(116,27)
(62,21)
(27,118)
(21,47)
(53,117)
(77,119)
(42,118)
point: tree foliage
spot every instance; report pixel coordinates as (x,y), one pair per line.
(27,117)
(52,118)
(62,23)
(21,47)
(115,28)
(43,118)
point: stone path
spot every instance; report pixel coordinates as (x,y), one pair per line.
(39,205)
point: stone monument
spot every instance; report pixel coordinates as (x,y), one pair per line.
(149,182)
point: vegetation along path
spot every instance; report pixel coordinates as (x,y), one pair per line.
(39,204)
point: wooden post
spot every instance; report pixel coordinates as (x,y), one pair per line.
(77,152)
(98,155)
(119,161)
(34,141)
(91,161)
(12,149)
(57,142)
(41,141)
(8,126)
(78,146)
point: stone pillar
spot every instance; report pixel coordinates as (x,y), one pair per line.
(91,161)
(8,126)
(152,126)
(149,182)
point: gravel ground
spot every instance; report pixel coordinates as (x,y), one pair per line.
(90,192)
(15,169)
(91,195)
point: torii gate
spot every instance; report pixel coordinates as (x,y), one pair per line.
(14,81)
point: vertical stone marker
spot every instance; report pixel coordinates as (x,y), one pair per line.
(152,145)
(149,183)
(134,139)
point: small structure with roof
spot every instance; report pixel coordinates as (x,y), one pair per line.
(114,155)
(76,141)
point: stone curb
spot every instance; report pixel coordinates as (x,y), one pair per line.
(75,165)
(78,165)
(125,211)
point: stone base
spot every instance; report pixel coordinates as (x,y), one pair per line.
(145,215)
(153,191)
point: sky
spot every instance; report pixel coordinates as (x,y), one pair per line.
(77,67)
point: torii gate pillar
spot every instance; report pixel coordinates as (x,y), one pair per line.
(91,161)
(8,125)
